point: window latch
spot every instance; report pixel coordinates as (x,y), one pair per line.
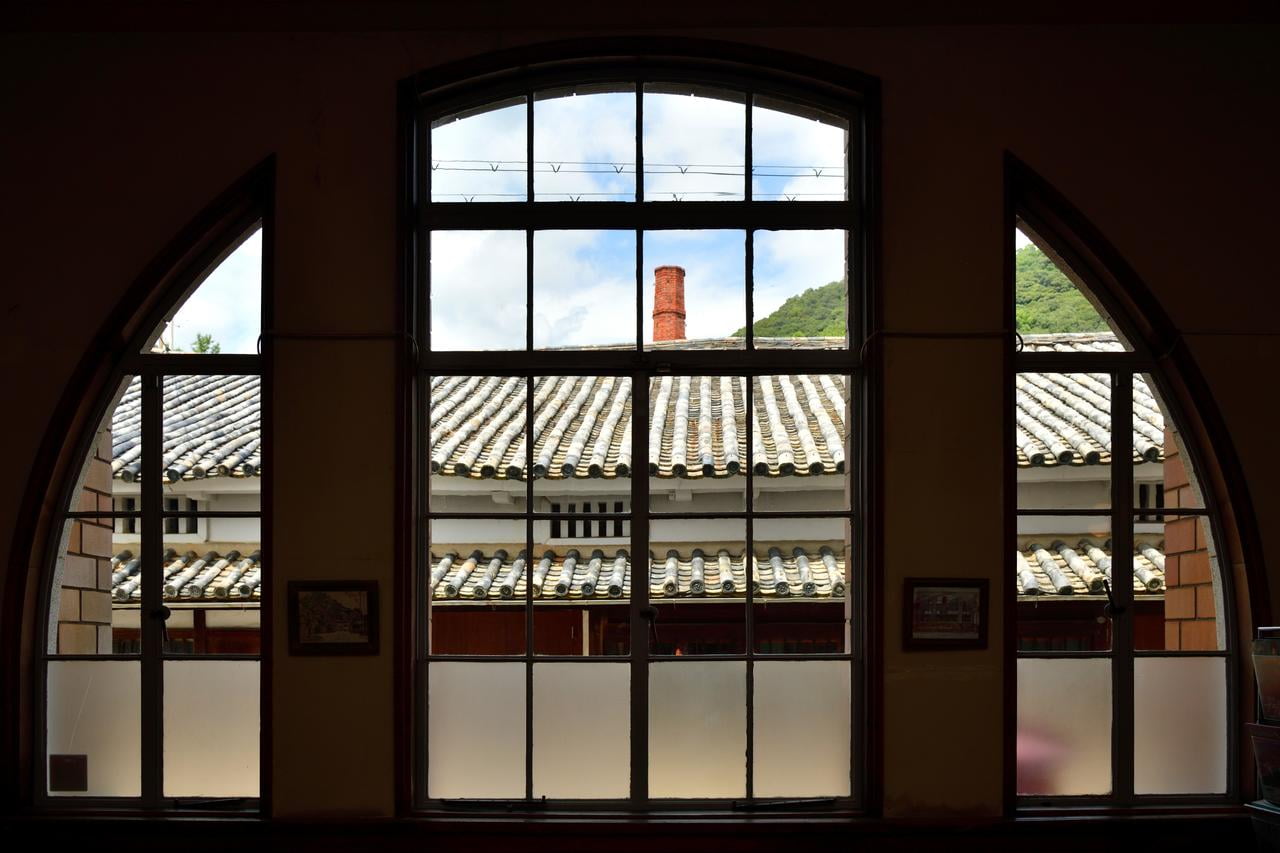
(1111,609)
(162,613)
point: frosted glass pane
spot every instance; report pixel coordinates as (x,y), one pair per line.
(211,728)
(802,729)
(1179,726)
(581,730)
(698,729)
(475,740)
(93,710)
(1064,726)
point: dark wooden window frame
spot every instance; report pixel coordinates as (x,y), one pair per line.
(1158,352)
(241,211)
(852,97)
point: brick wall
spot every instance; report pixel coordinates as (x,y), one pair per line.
(84,595)
(1190,613)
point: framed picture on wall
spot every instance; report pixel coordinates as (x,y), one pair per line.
(945,613)
(333,617)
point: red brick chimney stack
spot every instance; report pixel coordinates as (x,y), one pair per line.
(668,304)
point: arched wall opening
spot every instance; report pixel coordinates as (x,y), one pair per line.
(1198,589)
(70,513)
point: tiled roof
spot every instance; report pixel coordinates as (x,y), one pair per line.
(597,575)
(212,428)
(582,425)
(1058,568)
(792,573)
(1065,419)
(192,576)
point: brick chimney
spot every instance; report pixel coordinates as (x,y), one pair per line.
(668,304)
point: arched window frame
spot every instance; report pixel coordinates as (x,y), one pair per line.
(120,351)
(1154,349)
(519,74)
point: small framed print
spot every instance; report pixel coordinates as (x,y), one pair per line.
(945,613)
(333,617)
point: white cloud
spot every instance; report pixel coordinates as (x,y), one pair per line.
(809,152)
(480,155)
(477,290)
(585,280)
(584,287)
(693,130)
(791,262)
(573,130)
(226,305)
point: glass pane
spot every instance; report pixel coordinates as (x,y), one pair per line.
(1059,571)
(697,585)
(581,731)
(475,738)
(91,570)
(803,599)
(481,154)
(694,143)
(1064,726)
(584,144)
(478,571)
(582,450)
(800,442)
(584,289)
(223,314)
(212,454)
(1180,726)
(697,729)
(110,478)
(213,590)
(94,738)
(1053,310)
(477,449)
(697,444)
(802,729)
(1163,474)
(581,598)
(479,293)
(1062,427)
(801,284)
(1177,585)
(798,153)
(696,298)
(201,757)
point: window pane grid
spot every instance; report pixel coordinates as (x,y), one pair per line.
(566,517)
(1139,517)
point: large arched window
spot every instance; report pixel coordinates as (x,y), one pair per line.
(1122,579)
(151,668)
(639,292)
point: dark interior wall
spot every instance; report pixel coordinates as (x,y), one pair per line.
(1163,137)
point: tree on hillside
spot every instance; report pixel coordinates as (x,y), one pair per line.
(816,313)
(205,344)
(1045,300)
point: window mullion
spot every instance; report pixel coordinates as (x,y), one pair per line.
(747,565)
(639,592)
(152,623)
(1122,585)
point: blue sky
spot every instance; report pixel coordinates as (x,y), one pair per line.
(584,281)
(227,305)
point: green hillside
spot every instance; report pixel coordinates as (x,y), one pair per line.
(818,312)
(1045,301)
